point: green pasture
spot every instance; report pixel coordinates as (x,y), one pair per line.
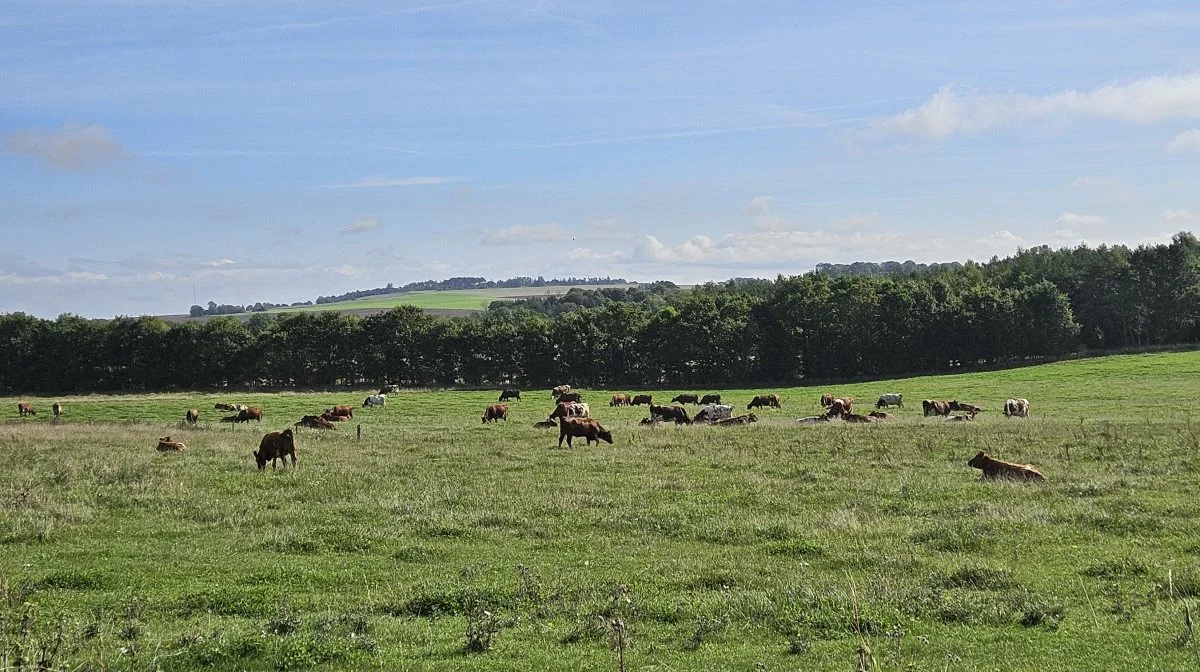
(453,299)
(772,546)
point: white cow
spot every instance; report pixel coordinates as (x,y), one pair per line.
(1016,408)
(889,400)
(714,412)
(375,400)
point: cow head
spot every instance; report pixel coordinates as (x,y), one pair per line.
(605,435)
(979,461)
(260,460)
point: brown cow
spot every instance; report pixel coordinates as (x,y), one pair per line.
(881,415)
(710,399)
(343,410)
(570,397)
(546,424)
(192,416)
(495,412)
(315,422)
(26,409)
(764,401)
(560,390)
(166,445)
(676,413)
(57,408)
(225,407)
(620,400)
(686,399)
(994,469)
(739,420)
(956,405)
(935,407)
(276,446)
(328,416)
(588,428)
(650,422)
(840,407)
(245,415)
(855,417)
(827,400)
(640,399)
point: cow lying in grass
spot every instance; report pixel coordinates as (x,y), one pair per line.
(166,445)
(881,415)
(276,446)
(315,422)
(994,469)
(676,413)
(545,424)
(587,428)
(650,422)
(739,420)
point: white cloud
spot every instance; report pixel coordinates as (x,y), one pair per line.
(759,249)
(764,218)
(519,235)
(1186,142)
(761,205)
(859,222)
(588,254)
(219,262)
(347,270)
(1003,237)
(74,148)
(1147,100)
(1074,220)
(1179,215)
(368,182)
(1088,181)
(364,224)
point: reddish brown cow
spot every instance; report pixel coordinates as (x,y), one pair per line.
(957,405)
(276,446)
(26,409)
(588,428)
(827,400)
(315,422)
(620,400)
(840,407)
(166,445)
(994,469)
(641,399)
(252,413)
(343,410)
(764,401)
(570,397)
(881,415)
(495,412)
(192,416)
(855,417)
(935,407)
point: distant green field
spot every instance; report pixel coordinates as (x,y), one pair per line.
(461,299)
(774,546)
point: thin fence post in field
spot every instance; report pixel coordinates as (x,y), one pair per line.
(360,432)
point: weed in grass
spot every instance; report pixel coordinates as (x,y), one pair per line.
(482,627)
(706,629)
(975,578)
(1037,613)
(285,621)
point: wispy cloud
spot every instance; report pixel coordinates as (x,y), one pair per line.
(74,148)
(1186,142)
(370,182)
(364,224)
(949,112)
(1076,220)
(1179,215)
(518,235)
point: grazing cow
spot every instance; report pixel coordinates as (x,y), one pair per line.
(588,428)
(739,420)
(390,389)
(994,469)
(57,408)
(570,409)
(840,407)
(889,400)
(570,397)
(26,409)
(710,399)
(245,415)
(640,399)
(192,416)
(686,399)
(1016,408)
(560,390)
(546,424)
(880,415)
(620,400)
(855,417)
(375,400)
(276,446)
(935,407)
(341,411)
(764,401)
(315,422)
(495,412)
(827,400)
(714,413)
(166,445)
(506,395)
(650,422)
(956,405)
(676,413)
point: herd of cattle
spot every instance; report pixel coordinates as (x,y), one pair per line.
(572,417)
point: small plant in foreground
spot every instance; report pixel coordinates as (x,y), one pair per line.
(482,626)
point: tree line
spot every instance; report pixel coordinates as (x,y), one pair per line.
(1038,303)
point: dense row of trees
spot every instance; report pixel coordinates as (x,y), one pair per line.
(1038,303)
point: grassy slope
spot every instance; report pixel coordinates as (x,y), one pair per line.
(737,546)
(456,299)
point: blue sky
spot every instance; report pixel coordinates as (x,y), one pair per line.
(274,151)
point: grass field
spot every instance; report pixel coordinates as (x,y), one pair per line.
(772,546)
(455,299)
